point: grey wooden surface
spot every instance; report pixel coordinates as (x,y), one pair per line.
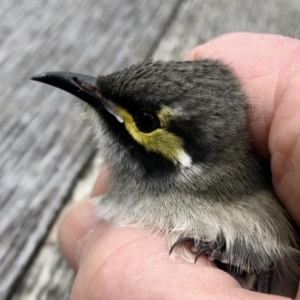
(45,144)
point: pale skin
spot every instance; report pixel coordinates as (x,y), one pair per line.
(127,263)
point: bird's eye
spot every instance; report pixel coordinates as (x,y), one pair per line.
(146,121)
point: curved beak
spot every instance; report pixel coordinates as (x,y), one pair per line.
(82,86)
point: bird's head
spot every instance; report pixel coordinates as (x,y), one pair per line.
(160,118)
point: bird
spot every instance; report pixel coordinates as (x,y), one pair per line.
(176,137)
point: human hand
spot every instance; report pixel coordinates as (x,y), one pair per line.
(126,263)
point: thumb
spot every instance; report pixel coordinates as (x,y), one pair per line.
(127,263)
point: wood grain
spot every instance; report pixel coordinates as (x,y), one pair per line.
(45,143)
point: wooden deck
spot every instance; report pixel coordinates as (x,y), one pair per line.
(46,146)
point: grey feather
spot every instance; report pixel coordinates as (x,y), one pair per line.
(216,192)
(226,191)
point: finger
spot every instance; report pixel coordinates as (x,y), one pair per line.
(78,220)
(284,143)
(107,255)
(73,227)
(101,185)
(127,263)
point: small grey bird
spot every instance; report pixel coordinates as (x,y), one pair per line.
(176,138)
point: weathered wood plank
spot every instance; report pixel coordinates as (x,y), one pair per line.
(44,142)
(201,21)
(51,280)
(195,22)
(57,278)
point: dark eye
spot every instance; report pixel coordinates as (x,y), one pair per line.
(146,121)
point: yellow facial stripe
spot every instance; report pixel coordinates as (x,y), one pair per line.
(160,140)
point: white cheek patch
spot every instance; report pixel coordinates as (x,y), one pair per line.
(185,160)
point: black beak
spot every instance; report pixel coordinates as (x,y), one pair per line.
(82,86)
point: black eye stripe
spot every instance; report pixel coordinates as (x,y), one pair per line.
(146,121)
